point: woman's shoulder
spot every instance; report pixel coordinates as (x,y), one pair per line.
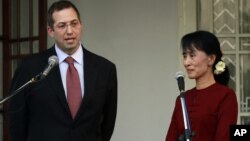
(222,92)
(223,88)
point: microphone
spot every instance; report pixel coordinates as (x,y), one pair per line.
(52,62)
(180,80)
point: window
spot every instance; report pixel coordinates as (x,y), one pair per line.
(22,32)
(229,20)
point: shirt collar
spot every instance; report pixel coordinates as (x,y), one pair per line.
(78,55)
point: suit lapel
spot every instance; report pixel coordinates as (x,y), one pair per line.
(90,76)
(54,81)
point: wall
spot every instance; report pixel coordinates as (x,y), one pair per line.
(141,38)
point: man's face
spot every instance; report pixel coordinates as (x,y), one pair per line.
(66,30)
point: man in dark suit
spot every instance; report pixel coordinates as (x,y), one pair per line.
(41,111)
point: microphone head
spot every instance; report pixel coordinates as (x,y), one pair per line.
(180,80)
(53,60)
(179,74)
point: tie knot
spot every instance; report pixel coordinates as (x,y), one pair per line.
(69,60)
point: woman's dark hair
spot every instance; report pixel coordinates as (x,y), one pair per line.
(57,6)
(209,43)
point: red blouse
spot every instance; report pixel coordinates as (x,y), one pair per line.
(210,110)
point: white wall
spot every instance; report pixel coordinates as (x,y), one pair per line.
(141,38)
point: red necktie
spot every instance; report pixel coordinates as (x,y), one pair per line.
(74,93)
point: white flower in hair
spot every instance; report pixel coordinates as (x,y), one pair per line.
(219,67)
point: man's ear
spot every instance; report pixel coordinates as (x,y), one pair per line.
(50,31)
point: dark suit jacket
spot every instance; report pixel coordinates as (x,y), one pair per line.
(40,112)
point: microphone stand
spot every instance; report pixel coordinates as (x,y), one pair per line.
(31,81)
(53,61)
(188,133)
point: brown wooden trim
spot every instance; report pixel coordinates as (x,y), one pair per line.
(30,24)
(6,46)
(18,25)
(19,56)
(42,25)
(6,63)
(24,39)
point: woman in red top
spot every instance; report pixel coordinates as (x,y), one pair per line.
(211,105)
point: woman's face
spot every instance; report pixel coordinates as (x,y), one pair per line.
(197,63)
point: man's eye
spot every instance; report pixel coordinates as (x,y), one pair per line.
(73,24)
(61,26)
